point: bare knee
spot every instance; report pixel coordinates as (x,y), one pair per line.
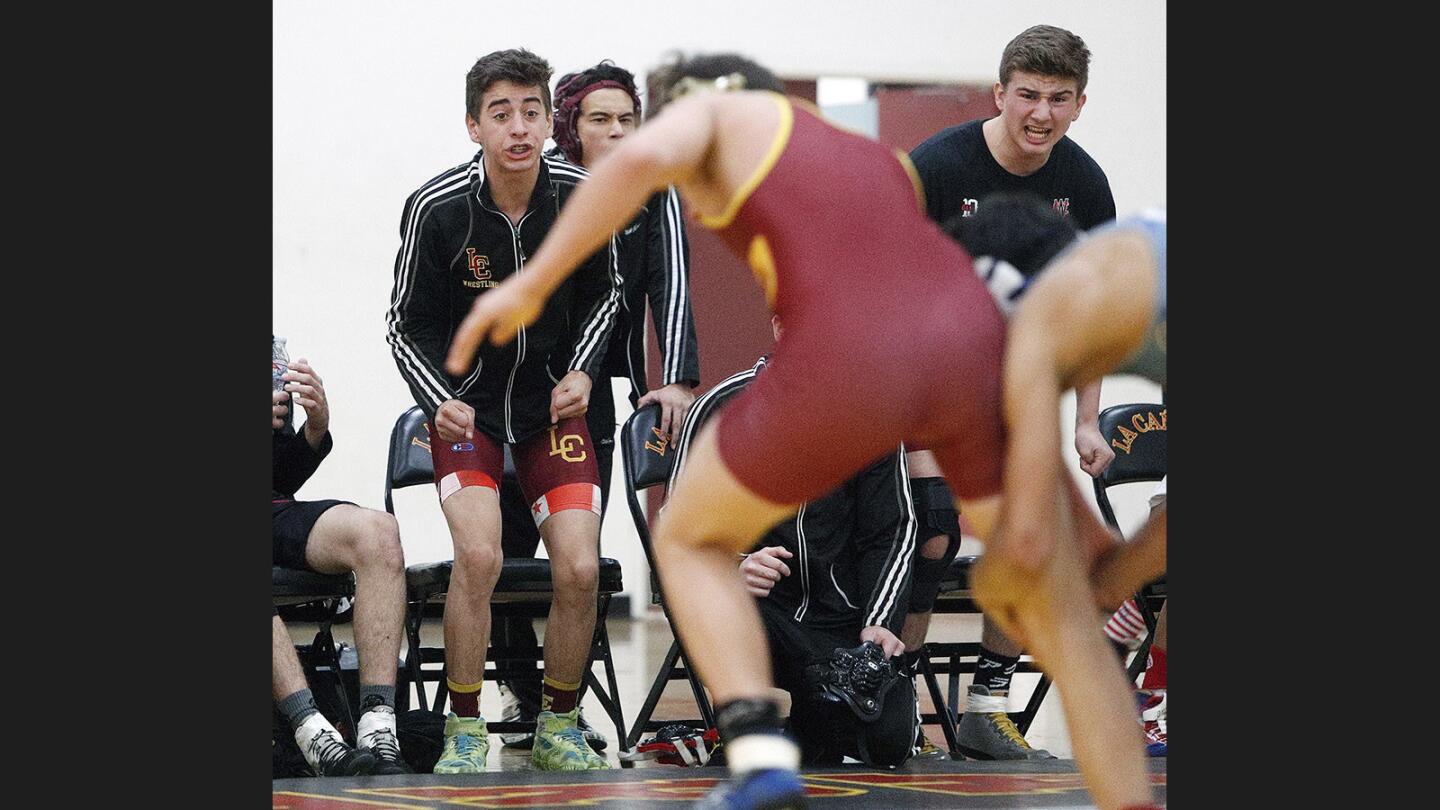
(577,578)
(378,543)
(477,565)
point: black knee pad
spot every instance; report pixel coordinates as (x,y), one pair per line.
(935,512)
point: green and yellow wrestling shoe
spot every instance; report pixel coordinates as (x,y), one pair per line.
(560,745)
(466,745)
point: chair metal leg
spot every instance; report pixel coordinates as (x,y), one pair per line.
(1137,664)
(414,615)
(944,712)
(953,685)
(1024,718)
(325,646)
(617,716)
(657,687)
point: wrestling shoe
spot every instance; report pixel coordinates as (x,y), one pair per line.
(377,735)
(326,751)
(767,789)
(560,745)
(986,731)
(924,749)
(512,710)
(466,745)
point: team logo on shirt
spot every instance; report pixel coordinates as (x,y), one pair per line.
(478,264)
(1062,205)
(566,445)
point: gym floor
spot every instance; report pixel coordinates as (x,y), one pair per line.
(639,647)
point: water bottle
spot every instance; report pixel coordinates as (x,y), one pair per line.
(279,362)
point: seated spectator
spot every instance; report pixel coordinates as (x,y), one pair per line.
(335,537)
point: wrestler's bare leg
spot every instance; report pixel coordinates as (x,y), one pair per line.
(1052,613)
(710,517)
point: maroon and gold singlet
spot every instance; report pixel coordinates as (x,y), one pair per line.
(887,333)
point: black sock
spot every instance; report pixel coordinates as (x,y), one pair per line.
(747,716)
(372,695)
(298,707)
(994,671)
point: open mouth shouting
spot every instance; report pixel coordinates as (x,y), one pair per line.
(1036,134)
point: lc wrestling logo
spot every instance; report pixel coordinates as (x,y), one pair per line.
(566,446)
(480,266)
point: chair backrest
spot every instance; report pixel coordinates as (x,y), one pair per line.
(409,461)
(647,456)
(1137,434)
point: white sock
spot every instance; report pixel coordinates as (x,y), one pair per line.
(753,752)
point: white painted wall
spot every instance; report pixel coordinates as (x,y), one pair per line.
(368,104)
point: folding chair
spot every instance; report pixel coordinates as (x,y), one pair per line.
(292,586)
(945,658)
(524,589)
(644,451)
(1137,432)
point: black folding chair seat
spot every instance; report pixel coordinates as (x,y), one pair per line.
(292,586)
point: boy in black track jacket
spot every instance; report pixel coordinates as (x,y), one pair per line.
(462,233)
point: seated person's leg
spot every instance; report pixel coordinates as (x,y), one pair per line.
(937,543)
(466,477)
(319,742)
(366,541)
(566,505)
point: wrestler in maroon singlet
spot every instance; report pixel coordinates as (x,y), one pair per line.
(889,335)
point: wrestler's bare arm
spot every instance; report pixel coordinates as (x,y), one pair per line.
(665,152)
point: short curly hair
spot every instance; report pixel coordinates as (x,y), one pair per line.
(572,88)
(1047,51)
(513,65)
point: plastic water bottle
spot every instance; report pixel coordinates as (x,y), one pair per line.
(279,362)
